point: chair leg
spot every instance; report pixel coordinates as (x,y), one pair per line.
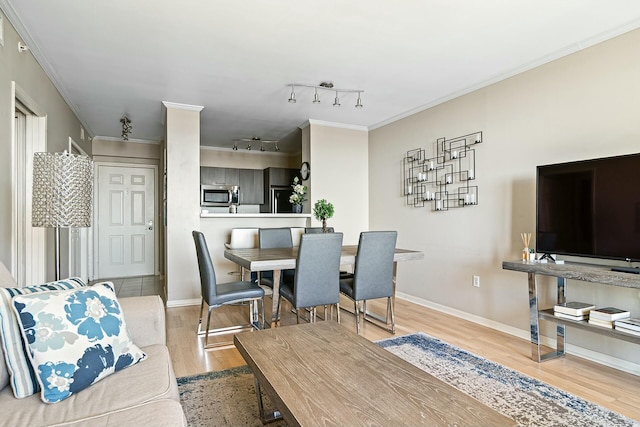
(206,335)
(297,317)
(390,312)
(356,312)
(262,310)
(337,312)
(277,319)
(200,320)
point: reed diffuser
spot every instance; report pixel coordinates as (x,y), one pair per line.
(526,240)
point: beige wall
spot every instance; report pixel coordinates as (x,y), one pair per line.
(244,159)
(339,173)
(583,106)
(61,124)
(107,150)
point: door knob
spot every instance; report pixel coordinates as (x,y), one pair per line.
(150,225)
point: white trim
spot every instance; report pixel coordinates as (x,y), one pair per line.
(177,106)
(156,213)
(138,141)
(333,125)
(594,356)
(183,302)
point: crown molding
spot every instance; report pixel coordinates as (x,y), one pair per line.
(333,125)
(177,106)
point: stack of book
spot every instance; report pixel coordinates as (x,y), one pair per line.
(606,316)
(573,310)
(630,326)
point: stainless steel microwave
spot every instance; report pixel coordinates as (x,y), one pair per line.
(219,195)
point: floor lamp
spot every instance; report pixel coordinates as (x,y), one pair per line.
(62,193)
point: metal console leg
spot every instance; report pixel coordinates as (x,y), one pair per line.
(536,346)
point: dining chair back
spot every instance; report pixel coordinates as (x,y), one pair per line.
(312,230)
(216,295)
(373,273)
(316,281)
(269,238)
(273,238)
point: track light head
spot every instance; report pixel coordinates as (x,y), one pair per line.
(316,99)
(235,145)
(336,102)
(292,97)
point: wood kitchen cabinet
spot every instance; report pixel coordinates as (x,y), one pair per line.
(251,186)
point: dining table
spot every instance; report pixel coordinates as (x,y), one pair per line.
(278,259)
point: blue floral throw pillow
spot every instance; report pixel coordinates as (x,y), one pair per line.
(23,380)
(75,338)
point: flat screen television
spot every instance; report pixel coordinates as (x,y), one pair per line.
(590,208)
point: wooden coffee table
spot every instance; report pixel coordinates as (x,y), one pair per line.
(324,374)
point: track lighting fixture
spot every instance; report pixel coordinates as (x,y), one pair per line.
(325,86)
(126,127)
(264,144)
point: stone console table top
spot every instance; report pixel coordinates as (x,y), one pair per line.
(577,271)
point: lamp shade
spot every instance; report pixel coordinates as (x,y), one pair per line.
(62,190)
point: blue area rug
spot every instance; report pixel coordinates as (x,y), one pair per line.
(227,398)
(528,401)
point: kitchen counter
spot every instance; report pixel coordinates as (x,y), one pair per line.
(254,215)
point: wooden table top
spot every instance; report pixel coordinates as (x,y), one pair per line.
(324,374)
(284,258)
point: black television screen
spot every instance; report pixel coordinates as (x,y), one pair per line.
(590,208)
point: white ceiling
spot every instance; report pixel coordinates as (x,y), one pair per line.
(236,57)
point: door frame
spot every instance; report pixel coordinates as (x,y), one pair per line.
(96,175)
(26,239)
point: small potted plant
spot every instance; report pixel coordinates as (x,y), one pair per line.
(297,196)
(323,210)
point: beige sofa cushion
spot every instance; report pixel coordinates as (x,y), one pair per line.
(137,385)
(159,413)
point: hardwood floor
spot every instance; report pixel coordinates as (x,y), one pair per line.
(613,389)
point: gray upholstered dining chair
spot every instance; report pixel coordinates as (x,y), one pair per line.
(315,230)
(216,295)
(270,238)
(373,274)
(316,281)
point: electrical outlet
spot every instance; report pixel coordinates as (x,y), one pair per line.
(476,281)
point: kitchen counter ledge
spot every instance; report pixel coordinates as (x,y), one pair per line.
(254,215)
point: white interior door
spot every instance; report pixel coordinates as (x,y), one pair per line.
(125,218)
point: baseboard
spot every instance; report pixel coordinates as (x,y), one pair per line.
(594,356)
(183,302)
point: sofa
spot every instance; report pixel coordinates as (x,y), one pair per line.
(144,394)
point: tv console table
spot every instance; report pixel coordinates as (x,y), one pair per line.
(575,271)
